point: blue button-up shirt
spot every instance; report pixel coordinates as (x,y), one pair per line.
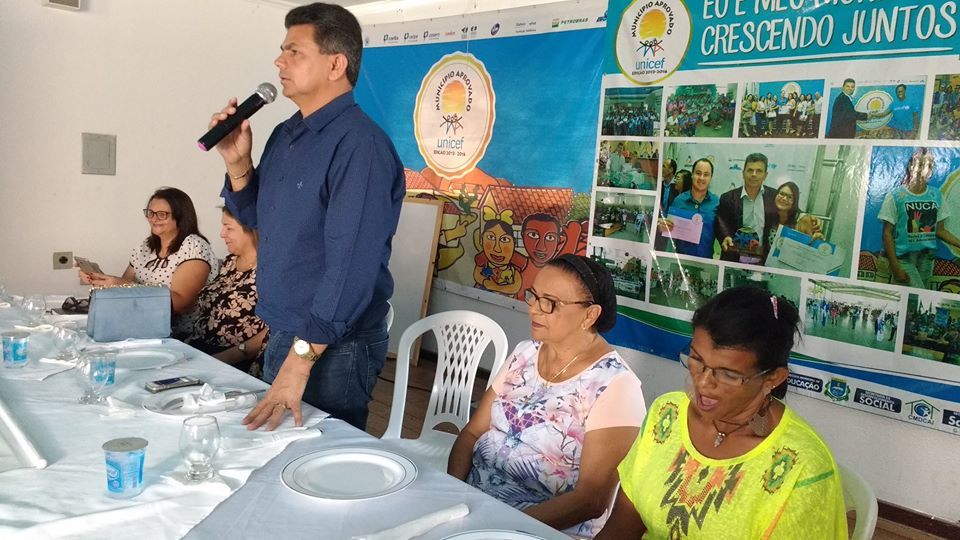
(325,200)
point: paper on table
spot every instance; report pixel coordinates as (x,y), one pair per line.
(418,526)
(256,439)
(16,449)
(36,370)
(129,343)
(119,408)
(687,229)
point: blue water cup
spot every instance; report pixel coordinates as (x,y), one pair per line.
(15,349)
(124,460)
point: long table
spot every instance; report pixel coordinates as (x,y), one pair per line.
(68,498)
(265,507)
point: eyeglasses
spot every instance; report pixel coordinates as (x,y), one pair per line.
(785,195)
(723,376)
(150,214)
(547,305)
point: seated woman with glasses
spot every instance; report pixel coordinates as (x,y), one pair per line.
(175,255)
(227,327)
(728,459)
(562,412)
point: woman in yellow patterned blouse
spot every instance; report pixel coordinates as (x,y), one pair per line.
(728,460)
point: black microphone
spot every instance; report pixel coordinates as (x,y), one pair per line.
(265,93)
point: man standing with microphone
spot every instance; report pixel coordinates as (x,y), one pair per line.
(326,199)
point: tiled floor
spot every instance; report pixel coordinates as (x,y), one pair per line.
(418,395)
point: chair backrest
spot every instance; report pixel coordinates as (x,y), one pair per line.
(389,318)
(462,337)
(859,496)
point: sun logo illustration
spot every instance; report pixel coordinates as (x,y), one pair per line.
(650,30)
(875,105)
(453,102)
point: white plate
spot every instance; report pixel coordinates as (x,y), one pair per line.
(156,403)
(146,358)
(347,474)
(492,534)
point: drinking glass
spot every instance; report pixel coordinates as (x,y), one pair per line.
(35,306)
(66,338)
(199,442)
(97,369)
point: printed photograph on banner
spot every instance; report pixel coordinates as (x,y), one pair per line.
(782,109)
(911,224)
(853,314)
(876,109)
(933,326)
(780,206)
(628,268)
(778,284)
(945,108)
(628,164)
(633,112)
(623,216)
(682,284)
(701,110)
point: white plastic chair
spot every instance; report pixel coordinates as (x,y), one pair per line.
(859,496)
(462,337)
(389,317)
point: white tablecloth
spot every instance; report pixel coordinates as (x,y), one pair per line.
(68,498)
(265,508)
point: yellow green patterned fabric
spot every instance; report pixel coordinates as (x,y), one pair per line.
(787,487)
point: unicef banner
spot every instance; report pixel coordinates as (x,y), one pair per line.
(809,148)
(495,115)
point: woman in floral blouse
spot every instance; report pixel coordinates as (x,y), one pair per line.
(562,412)
(227,327)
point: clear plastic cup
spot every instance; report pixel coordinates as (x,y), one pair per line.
(103,369)
(15,349)
(124,460)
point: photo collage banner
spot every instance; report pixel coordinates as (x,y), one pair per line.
(807,147)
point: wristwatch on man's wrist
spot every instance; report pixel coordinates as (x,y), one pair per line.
(304,350)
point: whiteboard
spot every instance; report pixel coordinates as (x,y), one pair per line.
(412,264)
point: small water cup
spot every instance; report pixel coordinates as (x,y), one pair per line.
(199,443)
(105,368)
(15,349)
(97,368)
(124,460)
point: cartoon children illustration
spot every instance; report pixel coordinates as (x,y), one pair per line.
(543,239)
(498,266)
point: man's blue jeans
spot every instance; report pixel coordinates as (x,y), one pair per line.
(342,379)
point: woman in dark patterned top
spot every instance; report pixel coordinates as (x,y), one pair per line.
(227,327)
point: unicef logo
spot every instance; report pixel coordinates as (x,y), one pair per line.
(652,39)
(454,114)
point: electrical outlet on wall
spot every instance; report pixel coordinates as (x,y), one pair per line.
(62,260)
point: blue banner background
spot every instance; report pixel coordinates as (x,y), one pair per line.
(547,88)
(705,26)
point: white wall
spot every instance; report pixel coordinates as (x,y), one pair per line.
(907,465)
(152,72)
